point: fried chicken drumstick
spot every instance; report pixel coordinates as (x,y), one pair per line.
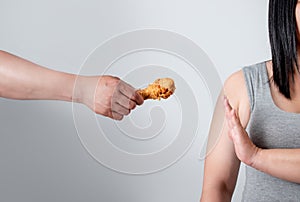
(160,88)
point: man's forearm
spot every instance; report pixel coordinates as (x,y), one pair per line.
(22,79)
(281,163)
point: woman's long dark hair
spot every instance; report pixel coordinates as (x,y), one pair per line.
(283,41)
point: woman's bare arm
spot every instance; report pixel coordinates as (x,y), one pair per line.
(221,164)
(281,163)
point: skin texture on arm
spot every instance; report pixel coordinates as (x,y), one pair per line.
(221,164)
(105,95)
(280,163)
(21,79)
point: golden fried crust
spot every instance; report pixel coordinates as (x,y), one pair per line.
(160,88)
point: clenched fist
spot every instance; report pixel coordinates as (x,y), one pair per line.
(107,95)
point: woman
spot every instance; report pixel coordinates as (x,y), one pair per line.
(267,103)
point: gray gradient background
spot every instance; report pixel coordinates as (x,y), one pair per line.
(41,157)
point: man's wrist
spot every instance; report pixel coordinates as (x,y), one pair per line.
(84,89)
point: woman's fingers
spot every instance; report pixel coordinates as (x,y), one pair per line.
(228,113)
(244,147)
(227,106)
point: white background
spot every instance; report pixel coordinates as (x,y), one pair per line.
(41,157)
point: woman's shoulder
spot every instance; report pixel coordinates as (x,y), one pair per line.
(257,68)
(235,83)
(236,91)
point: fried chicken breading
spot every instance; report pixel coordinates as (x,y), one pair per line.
(160,88)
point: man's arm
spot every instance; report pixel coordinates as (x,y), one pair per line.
(106,95)
(21,79)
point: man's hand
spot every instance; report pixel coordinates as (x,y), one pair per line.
(107,95)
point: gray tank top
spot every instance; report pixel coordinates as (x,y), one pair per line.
(269,127)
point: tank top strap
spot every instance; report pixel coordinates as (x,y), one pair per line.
(257,84)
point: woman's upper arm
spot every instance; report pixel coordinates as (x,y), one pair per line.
(221,164)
